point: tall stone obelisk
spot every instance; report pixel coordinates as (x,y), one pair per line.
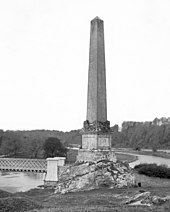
(96,102)
(96,131)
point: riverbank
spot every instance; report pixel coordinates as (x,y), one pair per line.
(125,157)
(161,154)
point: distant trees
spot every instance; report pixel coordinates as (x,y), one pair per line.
(139,136)
(53,147)
(33,148)
(30,144)
(11,147)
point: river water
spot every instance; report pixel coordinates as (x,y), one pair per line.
(20,181)
(149,159)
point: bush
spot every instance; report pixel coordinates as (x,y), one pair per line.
(153,170)
(137,148)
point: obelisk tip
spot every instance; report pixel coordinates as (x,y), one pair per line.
(97,18)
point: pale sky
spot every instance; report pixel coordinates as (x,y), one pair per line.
(44,50)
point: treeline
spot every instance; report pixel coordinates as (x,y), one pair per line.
(136,135)
(143,136)
(29,144)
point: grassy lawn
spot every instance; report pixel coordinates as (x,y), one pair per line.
(125,158)
(157,154)
(44,200)
(99,200)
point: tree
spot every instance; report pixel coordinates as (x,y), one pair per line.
(32,148)
(53,148)
(11,147)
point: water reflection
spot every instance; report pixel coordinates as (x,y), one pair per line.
(19,181)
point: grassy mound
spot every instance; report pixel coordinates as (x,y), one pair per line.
(4,194)
(17,204)
(153,170)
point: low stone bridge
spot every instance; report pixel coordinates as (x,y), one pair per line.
(23,165)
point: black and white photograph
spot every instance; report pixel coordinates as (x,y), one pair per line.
(84,106)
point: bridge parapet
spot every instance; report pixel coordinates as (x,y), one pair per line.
(22,164)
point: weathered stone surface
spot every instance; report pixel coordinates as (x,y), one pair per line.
(96,130)
(96,141)
(96,102)
(95,155)
(138,198)
(96,127)
(90,175)
(145,198)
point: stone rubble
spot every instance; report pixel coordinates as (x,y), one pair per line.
(93,175)
(145,198)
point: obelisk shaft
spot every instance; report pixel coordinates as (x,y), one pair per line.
(96,100)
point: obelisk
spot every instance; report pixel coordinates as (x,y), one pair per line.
(96,131)
(96,102)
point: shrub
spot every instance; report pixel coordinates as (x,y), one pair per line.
(153,170)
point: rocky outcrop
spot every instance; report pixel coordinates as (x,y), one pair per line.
(145,198)
(91,175)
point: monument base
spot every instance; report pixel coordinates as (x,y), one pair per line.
(96,141)
(95,155)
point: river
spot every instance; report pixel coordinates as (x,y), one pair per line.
(148,159)
(20,181)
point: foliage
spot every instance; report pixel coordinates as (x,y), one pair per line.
(29,144)
(153,170)
(137,148)
(138,135)
(53,147)
(10,147)
(154,149)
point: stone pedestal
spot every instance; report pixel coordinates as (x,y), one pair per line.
(95,155)
(52,169)
(96,141)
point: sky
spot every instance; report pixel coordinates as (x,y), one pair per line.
(44,52)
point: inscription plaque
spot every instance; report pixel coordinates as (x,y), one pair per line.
(104,142)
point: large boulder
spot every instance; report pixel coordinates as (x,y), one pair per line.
(93,175)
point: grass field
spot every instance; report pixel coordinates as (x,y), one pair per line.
(44,200)
(97,200)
